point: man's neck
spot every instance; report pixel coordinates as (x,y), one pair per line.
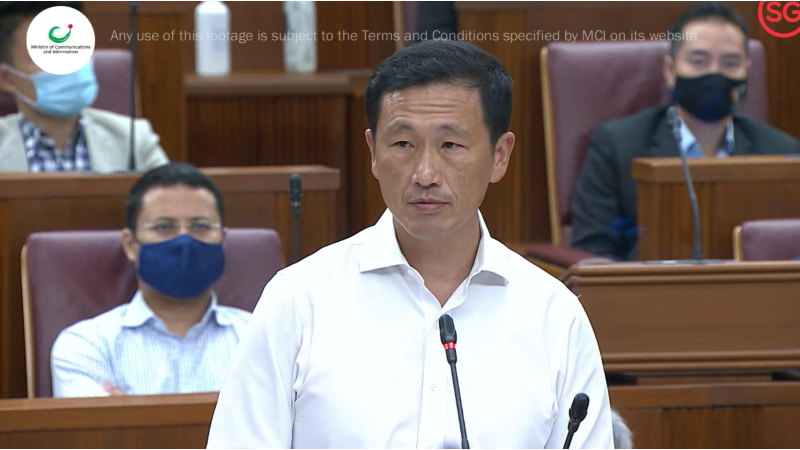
(58,128)
(179,316)
(444,264)
(710,136)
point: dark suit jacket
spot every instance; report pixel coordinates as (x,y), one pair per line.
(604,204)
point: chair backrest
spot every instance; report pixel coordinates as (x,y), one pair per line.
(75,275)
(767,240)
(113,70)
(587,83)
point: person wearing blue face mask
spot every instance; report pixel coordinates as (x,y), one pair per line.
(708,74)
(55,128)
(172,337)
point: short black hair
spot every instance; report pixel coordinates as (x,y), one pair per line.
(12,14)
(707,11)
(434,62)
(172,174)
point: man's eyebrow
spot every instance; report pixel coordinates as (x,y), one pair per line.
(399,126)
(453,128)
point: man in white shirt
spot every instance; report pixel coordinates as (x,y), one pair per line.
(172,337)
(343,349)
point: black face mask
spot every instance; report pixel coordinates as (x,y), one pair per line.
(710,97)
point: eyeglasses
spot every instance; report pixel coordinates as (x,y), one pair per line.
(197,228)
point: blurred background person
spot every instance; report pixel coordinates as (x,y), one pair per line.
(56,129)
(172,337)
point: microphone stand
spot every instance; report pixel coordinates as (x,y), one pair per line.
(132,160)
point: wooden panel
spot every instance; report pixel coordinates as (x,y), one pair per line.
(269,127)
(738,415)
(522,60)
(159,67)
(515,209)
(369,22)
(662,318)
(255,197)
(764,188)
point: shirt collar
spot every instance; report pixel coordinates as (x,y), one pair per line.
(138,313)
(688,143)
(382,249)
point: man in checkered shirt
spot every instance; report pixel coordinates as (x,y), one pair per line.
(55,129)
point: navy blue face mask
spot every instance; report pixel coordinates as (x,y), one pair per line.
(710,97)
(182,267)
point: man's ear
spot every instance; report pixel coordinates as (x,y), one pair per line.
(502,156)
(5,81)
(668,68)
(129,245)
(371,144)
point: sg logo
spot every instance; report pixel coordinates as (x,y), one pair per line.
(778,12)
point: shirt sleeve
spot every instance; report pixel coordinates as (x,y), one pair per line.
(256,404)
(582,372)
(79,365)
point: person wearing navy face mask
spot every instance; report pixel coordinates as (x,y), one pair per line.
(55,128)
(708,73)
(172,337)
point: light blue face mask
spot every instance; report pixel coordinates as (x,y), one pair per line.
(60,95)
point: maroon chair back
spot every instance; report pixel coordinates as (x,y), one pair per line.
(75,275)
(768,240)
(113,70)
(587,83)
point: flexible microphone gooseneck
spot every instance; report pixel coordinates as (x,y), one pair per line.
(697,248)
(447,332)
(295,194)
(132,157)
(580,405)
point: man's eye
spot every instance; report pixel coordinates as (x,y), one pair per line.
(450,145)
(403,144)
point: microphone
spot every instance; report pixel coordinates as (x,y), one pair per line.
(580,405)
(132,157)
(295,194)
(697,249)
(447,332)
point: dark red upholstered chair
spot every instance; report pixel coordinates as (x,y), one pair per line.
(767,240)
(587,83)
(113,70)
(75,275)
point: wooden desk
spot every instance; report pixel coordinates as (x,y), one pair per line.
(739,415)
(669,318)
(729,192)
(254,197)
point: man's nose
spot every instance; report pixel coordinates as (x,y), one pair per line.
(427,170)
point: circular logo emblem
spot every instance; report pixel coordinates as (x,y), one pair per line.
(60,40)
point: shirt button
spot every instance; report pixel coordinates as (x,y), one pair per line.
(430,446)
(433,387)
(436,326)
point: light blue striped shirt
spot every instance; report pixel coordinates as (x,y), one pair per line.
(688,143)
(131,348)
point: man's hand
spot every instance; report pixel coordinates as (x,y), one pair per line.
(112,390)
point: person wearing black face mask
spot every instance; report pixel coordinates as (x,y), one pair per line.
(708,75)
(172,337)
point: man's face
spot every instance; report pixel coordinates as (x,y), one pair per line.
(20,60)
(168,212)
(432,157)
(717,47)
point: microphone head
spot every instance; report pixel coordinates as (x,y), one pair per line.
(447,330)
(580,405)
(294,186)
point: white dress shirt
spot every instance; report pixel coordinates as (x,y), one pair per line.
(343,351)
(131,348)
